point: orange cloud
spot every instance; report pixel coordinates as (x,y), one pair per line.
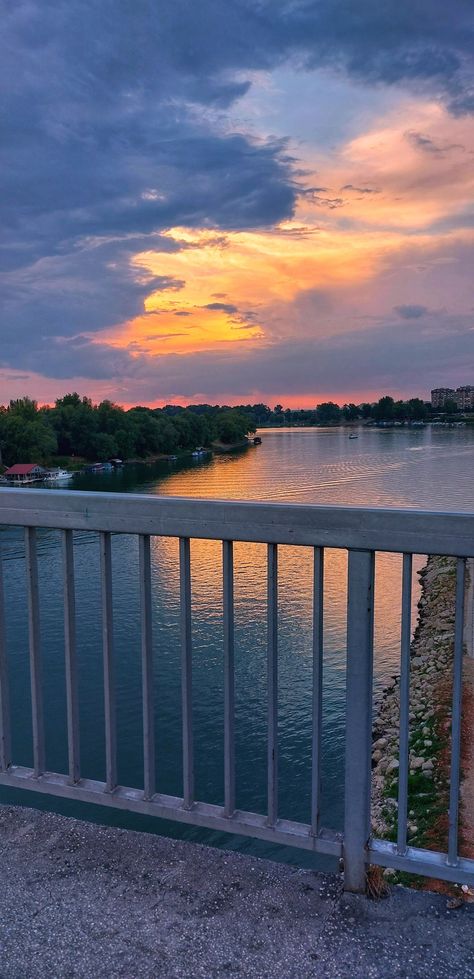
(231,280)
(414,169)
(374,200)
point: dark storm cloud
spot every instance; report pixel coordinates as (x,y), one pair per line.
(87,289)
(410,311)
(65,358)
(101,150)
(106,138)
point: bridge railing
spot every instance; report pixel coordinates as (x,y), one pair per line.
(362,532)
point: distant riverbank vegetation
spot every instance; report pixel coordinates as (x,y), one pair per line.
(329,413)
(75,428)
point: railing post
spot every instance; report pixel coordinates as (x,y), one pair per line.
(5,739)
(108,662)
(37,709)
(72,698)
(360,628)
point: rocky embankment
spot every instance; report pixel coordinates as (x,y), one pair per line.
(430,718)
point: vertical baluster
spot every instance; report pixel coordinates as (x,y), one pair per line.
(404,704)
(147,667)
(456,713)
(272,681)
(360,629)
(186,671)
(71,657)
(5,731)
(229,679)
(107,651)
(35,651)
(317,694)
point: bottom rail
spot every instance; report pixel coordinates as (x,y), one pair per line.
(428,863)
(201,814)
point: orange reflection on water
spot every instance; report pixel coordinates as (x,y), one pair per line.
(295,590)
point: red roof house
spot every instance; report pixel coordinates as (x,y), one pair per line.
(24,472)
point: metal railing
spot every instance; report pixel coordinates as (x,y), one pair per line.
(362,532)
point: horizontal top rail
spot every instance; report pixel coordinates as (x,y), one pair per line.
(415,531)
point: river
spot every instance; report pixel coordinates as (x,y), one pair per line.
(430,468)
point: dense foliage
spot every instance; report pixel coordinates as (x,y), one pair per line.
(328,413)
(76,427)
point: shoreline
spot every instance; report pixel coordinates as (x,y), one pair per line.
(220,448)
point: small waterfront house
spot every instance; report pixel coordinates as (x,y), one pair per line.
(29,472)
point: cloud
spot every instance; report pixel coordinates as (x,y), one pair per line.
(72,357)
(163,336)
(428,145)
(117,128)
(101,151)
(330,202)
(410,312)
(360,190)
(389,356)
(87,289)
(224,307)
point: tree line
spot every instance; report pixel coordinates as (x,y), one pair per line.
(329,413)
(75,427)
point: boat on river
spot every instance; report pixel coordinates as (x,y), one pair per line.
(58,476)
(353,436)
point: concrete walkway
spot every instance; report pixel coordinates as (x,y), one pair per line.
(80,900)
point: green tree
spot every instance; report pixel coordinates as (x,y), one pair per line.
(232,426)
(328,412)
(416,409)
(26,441)
(400,411)
(24,408)
(104,446)
(278,416)
(350,412)
(384,409)
(450,406)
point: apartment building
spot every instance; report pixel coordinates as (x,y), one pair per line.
(462,396)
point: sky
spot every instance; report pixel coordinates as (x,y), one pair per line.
(240,201)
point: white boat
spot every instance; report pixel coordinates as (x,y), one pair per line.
(58,475)
(353,436)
